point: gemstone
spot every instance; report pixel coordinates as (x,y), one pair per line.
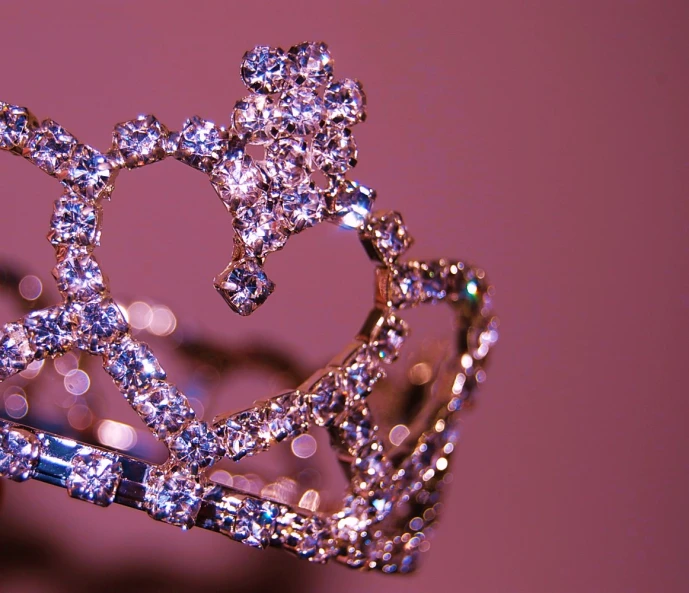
(285,416)
(133,366)
(16,124)
(99,324)
(434,281)
(356,427)
(299,111)
(94,478)
(15,350)
(244,286)
(252,118)
(164,409)
(140,141)
(286,162)
(353,203)
(237,180)
(19,452)
(405,285)
(87,173)
(372,465)
(255,522)
(360,373)
(307,536)
(201,143)
(75,222)
(345,102)
(78,274)
(173,496)
(261,228)
(386,237)
(310,64)
(327,398)
(334,151)
(303,207)
(244,433)
(388,340)
(263,69)
(50,147)
(50,331)
(196,446)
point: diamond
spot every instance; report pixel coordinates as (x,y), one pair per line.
(50,332)
(386,237)
(94,478)
(164,409)
(255,522)
(356,427)
(15,351)
(405,286)
(173,496)
(310,64)
(327,398)
(334,151)
(252,118)
(285,416)
(263,69)
(244,433)
(75,222)
(50,147)
(99,324)
(16,124)
(261,228)
(244,286)
(345,102)
(78,274)
(388,340)
(299,112)
(361,373)
(237,180)
(196,446)
(286,162)
(87,173)
(201,143)
(353,203)
(19,452)
(303,207)
(308,537)
(133,366)
(372,464)
(140,141)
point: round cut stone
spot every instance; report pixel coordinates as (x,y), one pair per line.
(87,173)
(78,274)
(15,350)
(16,124)
(51,332)
(99,323)
(237,180)
(388,341)
(388,236)
(196,446)
(303,207)
(164,409)
(75,222)
(334,151)
(50,147)
(264,69)
(133,366)
(327,398)
(252,118)
(174,497)
(244,286)
(141,141)
(261,228)
(345,102)
(94,478)
(19,452)
(255,522)
(353,203)
(299,111)
(286,162)
(310,64)
(201,143)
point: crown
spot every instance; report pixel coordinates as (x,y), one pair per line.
(302,118)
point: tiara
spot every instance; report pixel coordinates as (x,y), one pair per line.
(300,117)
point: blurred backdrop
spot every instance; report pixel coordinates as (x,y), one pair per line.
(545,141)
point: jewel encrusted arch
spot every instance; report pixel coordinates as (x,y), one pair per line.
(302,117)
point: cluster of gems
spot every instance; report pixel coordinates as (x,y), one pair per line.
(302,118)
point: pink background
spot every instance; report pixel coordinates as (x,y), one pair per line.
(546,141)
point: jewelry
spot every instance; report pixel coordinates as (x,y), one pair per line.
(302,118)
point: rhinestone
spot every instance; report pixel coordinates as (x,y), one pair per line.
(87,173)
(244,286)
(299,112)
(386,237)
(16,124)
(243,434)
(133,366)
(405,286)
(361,374)
(78,275)
(75,222)
(201,143)
(50,332)
(263,69)
(140,141)
(356,427)
(50,147)
(261,228)
(196,446)
(353,203)
(94,478)
(173,497)
(388,340)
(345,102)
(372,464)
(15,351)
(334,151)
(285,416)
(434,281)
(255,523)
(99,323)
(252,118)
(286,162)
(237,180)
(310,64)
(303,207)
(19,452)
(311,540)
(164,409)
(327,398)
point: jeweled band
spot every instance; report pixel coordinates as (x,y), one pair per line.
(301,116)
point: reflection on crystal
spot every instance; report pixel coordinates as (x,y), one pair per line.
(50,147)
(353,203)
(345,102)
(263,69)
(334,151)
(310,64)
(15,353)
(19,452)
(173,497)
(244,286)
(94,478)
